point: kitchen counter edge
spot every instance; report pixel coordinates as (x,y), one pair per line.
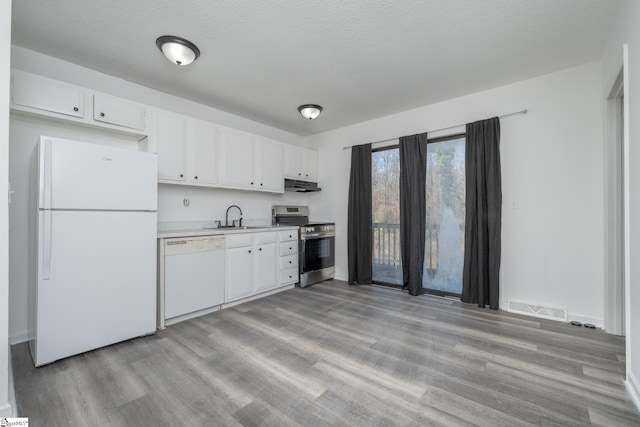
(166,234)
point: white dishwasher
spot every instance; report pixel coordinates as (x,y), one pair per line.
(193,275)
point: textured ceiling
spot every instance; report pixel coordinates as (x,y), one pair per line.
(359,59)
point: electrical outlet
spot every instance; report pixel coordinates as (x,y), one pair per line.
(186,203)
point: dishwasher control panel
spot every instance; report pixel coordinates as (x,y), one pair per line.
(193,245)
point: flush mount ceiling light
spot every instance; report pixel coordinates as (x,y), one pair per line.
(310,111)
(178,50)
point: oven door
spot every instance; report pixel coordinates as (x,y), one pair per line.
(317,253)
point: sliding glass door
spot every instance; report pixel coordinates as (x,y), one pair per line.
(445,199)
(445,202)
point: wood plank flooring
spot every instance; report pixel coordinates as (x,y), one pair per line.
(332,354)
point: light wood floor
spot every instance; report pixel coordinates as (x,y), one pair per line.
(331,354)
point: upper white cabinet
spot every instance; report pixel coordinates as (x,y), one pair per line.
(250,162)
(190,151)
(41,96)
(202,152)
(269,176)
(170,140)
(119,112)
(187,149)
(310,165)
(237,158)
(49,95)
(300,163)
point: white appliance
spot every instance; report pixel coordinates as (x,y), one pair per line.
(92,249)
(193,276)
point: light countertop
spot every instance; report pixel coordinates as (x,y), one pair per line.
(200,228)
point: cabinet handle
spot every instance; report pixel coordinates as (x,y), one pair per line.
(249,250)
(101,114)
(260,184)
(299,174)
(181,176)
(195,177)
(260,249)
(290,277)
(290,249)
(290,262)
(306,174)
(75,109)
(251,182)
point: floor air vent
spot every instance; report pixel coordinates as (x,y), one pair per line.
(552,313)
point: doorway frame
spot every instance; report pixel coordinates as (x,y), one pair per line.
(616,206)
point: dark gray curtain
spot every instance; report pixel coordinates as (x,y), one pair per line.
(413,175)
(360,227)
(482,246)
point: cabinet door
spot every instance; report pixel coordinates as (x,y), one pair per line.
(48,95)
(293,162)
(202,152)
(269,159)
(239,273)
(310,165)
(171,142)
(266,266)
(236,161)
(116,111)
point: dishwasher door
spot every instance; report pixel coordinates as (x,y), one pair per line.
(193,274)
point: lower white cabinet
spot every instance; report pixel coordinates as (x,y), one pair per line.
(254,263)
(239,271)
(266,261)
(288,259)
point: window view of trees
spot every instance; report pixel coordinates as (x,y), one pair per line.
(387,265)
(445,202)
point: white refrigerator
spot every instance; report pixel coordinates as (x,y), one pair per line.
(92,247)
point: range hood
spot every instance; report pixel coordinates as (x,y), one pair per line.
(300,186)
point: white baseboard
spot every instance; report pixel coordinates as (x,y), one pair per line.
(633,387)
(9,409)
(18,337)
(263,294)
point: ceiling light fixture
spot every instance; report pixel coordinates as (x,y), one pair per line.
(310,111)
(178,50)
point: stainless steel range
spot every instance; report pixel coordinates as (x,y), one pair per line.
(317,243)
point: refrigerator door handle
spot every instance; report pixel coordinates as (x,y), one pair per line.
(46,245)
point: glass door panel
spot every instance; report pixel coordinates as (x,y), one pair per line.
(444,232)
(385,167)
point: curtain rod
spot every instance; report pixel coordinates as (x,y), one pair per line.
(437,130)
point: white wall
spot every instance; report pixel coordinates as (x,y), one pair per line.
(206,204)
(209,204)
(626,30)
(5,56)
(552,251)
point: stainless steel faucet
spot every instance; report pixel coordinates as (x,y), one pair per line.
(226,217)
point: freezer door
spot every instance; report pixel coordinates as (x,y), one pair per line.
(80,175)
(96,281)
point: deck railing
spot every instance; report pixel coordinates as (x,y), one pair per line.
(386,246)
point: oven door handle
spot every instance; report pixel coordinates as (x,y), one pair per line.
(311,236)
(316,236)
